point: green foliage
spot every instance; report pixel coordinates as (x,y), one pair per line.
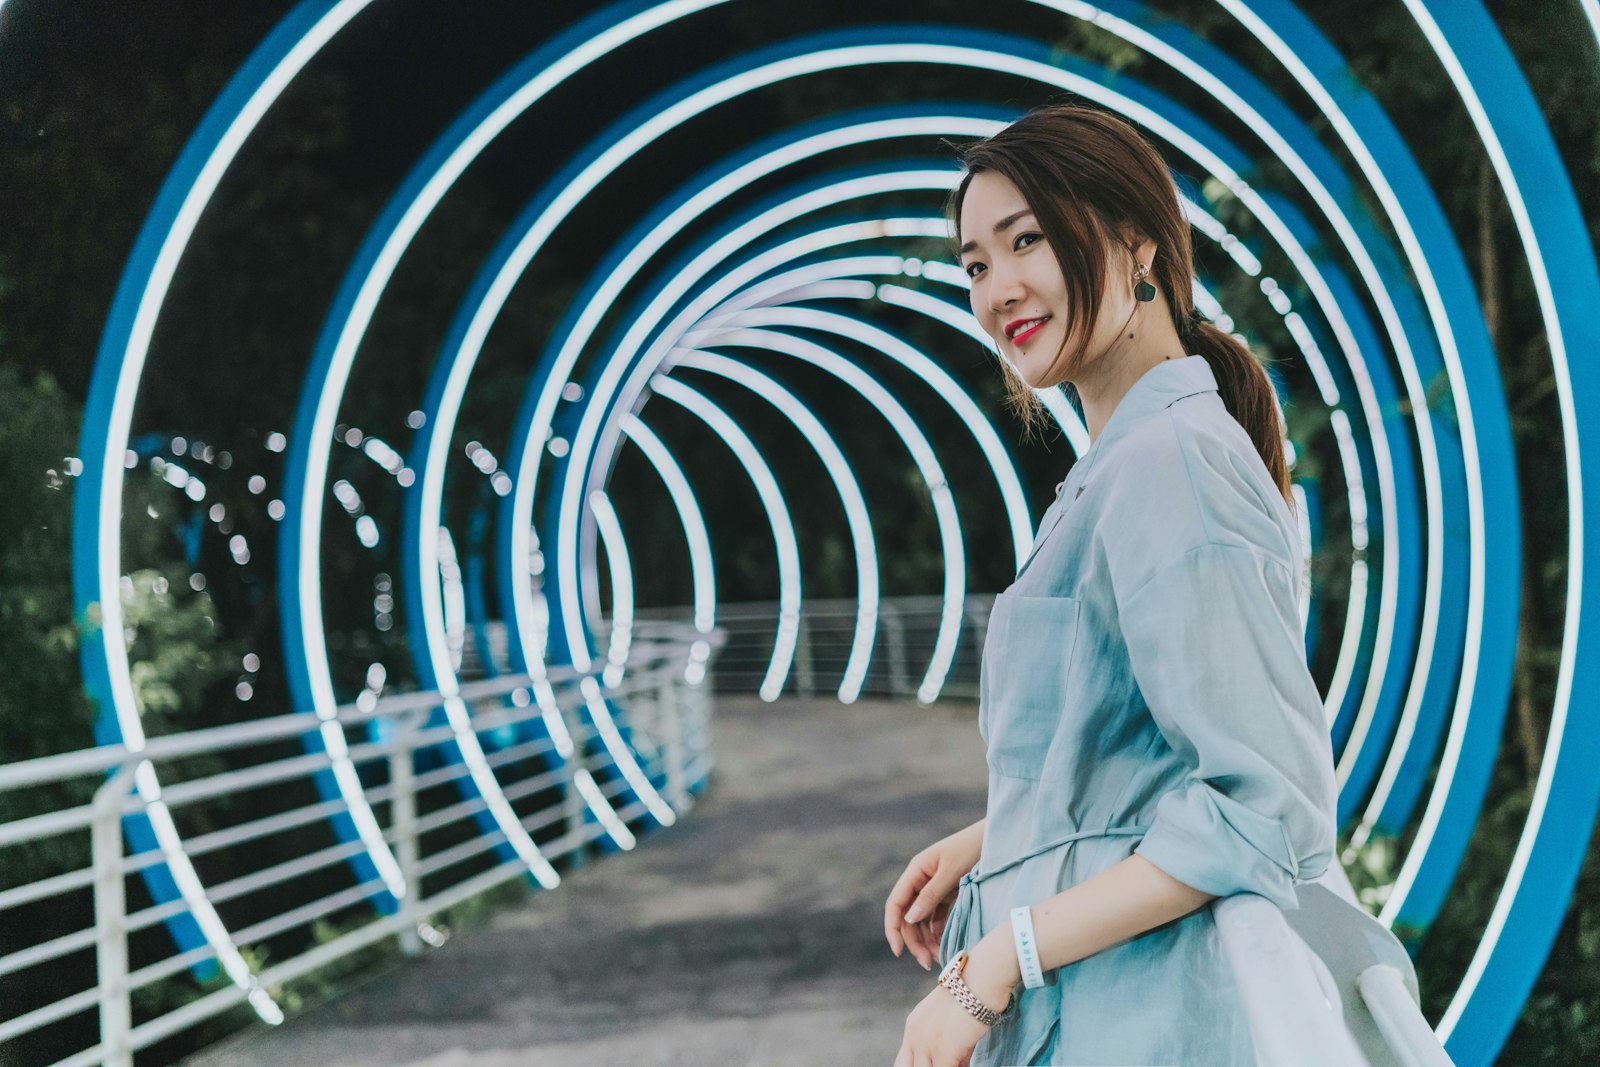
(176,658)
(175,651)
(42,706)
(43,709)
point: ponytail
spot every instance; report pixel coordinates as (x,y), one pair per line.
(1246,392)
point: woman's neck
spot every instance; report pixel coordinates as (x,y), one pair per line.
(1104,384)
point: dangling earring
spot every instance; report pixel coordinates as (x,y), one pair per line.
(1144,290)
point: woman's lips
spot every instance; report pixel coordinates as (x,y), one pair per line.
(1023,335)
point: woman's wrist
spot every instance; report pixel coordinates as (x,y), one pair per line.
(992,971)
(967,844)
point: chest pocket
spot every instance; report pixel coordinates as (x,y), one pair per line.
(1026,681)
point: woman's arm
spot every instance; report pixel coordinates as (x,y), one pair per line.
(1122,901)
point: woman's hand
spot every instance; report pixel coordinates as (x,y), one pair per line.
(939,1033)
(919,905)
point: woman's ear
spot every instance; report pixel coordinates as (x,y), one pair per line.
(1144,251)
(1141,249)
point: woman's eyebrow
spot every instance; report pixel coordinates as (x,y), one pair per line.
(999,227)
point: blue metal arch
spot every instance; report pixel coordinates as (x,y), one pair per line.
(119,362)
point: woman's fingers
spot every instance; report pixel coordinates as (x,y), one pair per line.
(927,934)
(914,944)
(900,897)
(914,916)
(919,939)
(902,935)
(892,913)
(937,922)
(930,939)
(924,956)
(926,944)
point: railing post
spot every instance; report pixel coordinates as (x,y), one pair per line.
(644,714)
(110,916)
(671,726)
(805,675)
(978,624)
(402,785)
(895,629)
(572,802)
(699,701)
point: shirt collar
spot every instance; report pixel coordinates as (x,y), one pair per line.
(1157,389)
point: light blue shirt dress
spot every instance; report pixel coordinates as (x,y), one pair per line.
(1144,688)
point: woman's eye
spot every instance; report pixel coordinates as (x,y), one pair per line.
(1019,245)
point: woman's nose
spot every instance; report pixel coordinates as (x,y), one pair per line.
(1005,289)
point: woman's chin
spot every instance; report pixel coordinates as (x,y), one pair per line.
(1033,363)
(1027,370)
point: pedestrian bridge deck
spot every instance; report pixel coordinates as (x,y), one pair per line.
(750,933)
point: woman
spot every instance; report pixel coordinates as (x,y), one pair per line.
(1154,737)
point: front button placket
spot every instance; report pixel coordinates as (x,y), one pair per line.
(1064,500)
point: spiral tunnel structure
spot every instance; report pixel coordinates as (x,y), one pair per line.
(812,251)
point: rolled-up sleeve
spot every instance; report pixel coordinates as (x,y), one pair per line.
(1217,651)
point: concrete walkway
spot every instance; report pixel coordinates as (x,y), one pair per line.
(749,935)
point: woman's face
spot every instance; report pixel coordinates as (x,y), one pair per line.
(1018,293)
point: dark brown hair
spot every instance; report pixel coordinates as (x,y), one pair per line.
(1091,178)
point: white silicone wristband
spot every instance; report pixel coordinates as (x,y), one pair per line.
(1027,948)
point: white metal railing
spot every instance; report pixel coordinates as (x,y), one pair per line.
(906,639)
(264,805)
